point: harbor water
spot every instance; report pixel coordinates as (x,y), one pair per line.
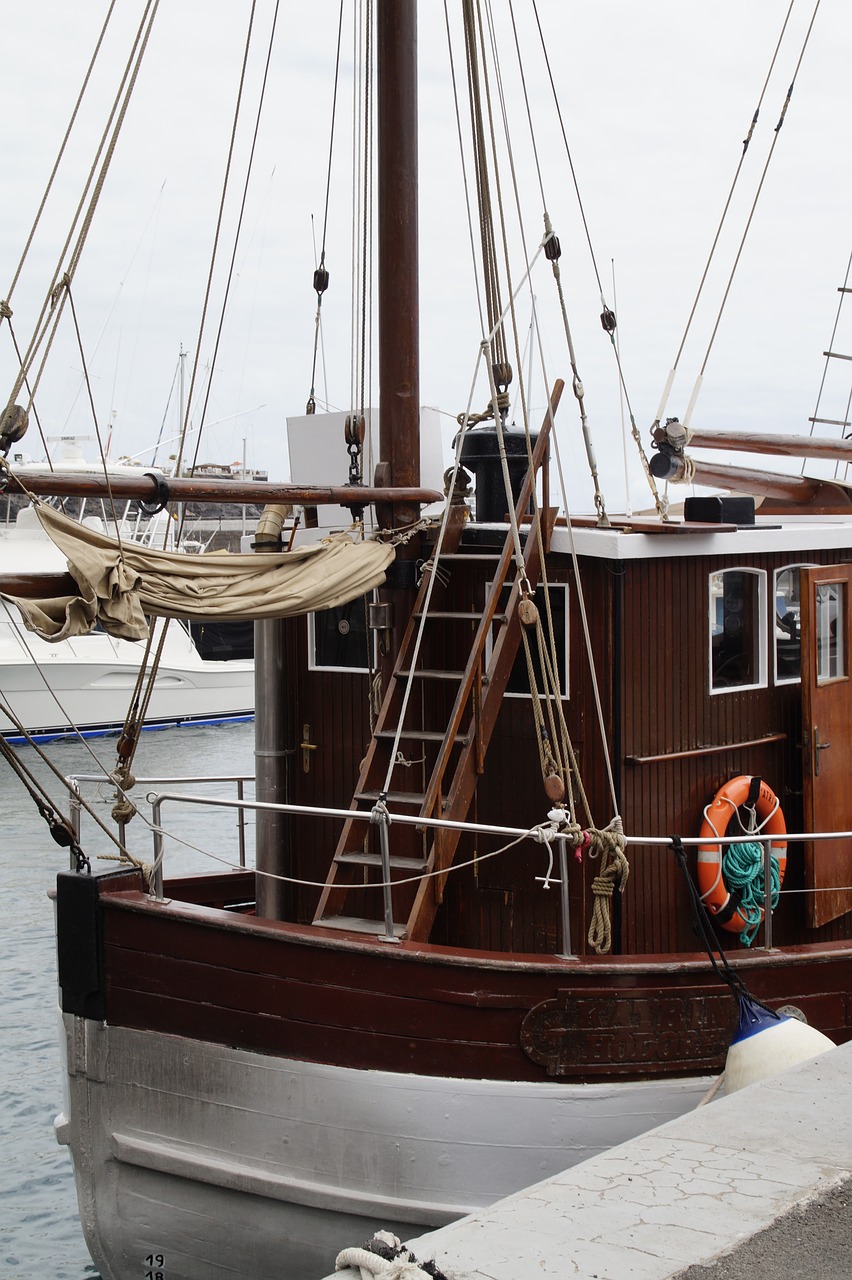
(40,1235)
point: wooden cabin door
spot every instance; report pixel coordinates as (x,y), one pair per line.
(826,626)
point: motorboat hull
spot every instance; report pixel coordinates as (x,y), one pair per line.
(85,685)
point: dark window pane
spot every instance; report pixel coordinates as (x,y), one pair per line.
(340,636)
(734,629)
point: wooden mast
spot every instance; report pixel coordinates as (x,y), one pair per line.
(398,291)
(399,414)
(399,326)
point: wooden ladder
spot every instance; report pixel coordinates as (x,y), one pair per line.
(462,742)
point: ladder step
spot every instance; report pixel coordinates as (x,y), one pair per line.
(393,797)
(831,422)
(471,555)
(457,616)
(355,924)
(419,735)
(358,858)
(428,675)
(836,355)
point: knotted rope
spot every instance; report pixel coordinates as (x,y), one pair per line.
(384,1256)
(608,844)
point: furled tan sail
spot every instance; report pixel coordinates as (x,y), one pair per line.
(120,583)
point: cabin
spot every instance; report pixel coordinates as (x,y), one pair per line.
(707,657)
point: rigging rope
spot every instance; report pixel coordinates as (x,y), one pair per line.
(608,318)
(713,247)
(320,280)
(123,854)
(237,231)
(49,186)
(845,421)
(688,415)
(54,300)
(60,828)
(143,691)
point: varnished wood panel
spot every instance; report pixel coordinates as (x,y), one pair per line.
(667,708)
(279,989)
(648,623)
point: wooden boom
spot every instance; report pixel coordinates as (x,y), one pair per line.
(770,443)
(817,495)
(155,489)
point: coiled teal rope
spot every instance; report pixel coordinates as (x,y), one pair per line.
(742,868)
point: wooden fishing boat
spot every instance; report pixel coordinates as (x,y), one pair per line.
(440,983)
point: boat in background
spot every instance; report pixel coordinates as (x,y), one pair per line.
(83,686)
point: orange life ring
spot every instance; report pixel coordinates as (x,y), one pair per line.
(722,905)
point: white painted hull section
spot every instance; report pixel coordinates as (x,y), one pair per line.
(88,682)
(234,1164)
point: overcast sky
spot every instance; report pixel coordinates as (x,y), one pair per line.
(656,97)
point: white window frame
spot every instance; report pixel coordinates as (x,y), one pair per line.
(785,568)
(313,665)
(762,636)
(841,638)
(565,691)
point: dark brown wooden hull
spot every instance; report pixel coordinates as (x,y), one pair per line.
(212,974)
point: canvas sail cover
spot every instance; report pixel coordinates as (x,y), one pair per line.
(120,583)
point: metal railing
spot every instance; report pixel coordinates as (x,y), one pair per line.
(239,779)
(547,834)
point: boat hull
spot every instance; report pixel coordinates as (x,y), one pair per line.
(246,1097)
(86,685)
(230,1163)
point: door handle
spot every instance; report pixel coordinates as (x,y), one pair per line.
(818,746)
(307,747)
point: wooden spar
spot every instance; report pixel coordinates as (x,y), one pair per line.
(154,489)
(399,329)
(38,586)
(770,443)
(793,489)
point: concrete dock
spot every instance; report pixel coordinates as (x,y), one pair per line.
(749,1187)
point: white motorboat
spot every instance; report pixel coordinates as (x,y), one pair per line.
(84,685)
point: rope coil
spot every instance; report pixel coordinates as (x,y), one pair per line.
(614,869)
(385,1257)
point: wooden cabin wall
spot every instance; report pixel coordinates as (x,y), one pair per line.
(667,709)
(501,902)
(649,625)
(335,707)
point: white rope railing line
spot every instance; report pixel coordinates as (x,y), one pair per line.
(551,879)
(545,834)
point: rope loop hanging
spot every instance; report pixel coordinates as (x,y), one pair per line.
(614,869)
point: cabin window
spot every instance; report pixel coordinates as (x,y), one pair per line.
(519,684)
(338,639)
(786,616)
(737,629)
(830,631)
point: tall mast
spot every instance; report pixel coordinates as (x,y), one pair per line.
(399,327)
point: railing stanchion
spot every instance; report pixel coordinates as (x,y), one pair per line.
(157,874)
(565,900)
(767,894)
(241,822)
(381,817)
